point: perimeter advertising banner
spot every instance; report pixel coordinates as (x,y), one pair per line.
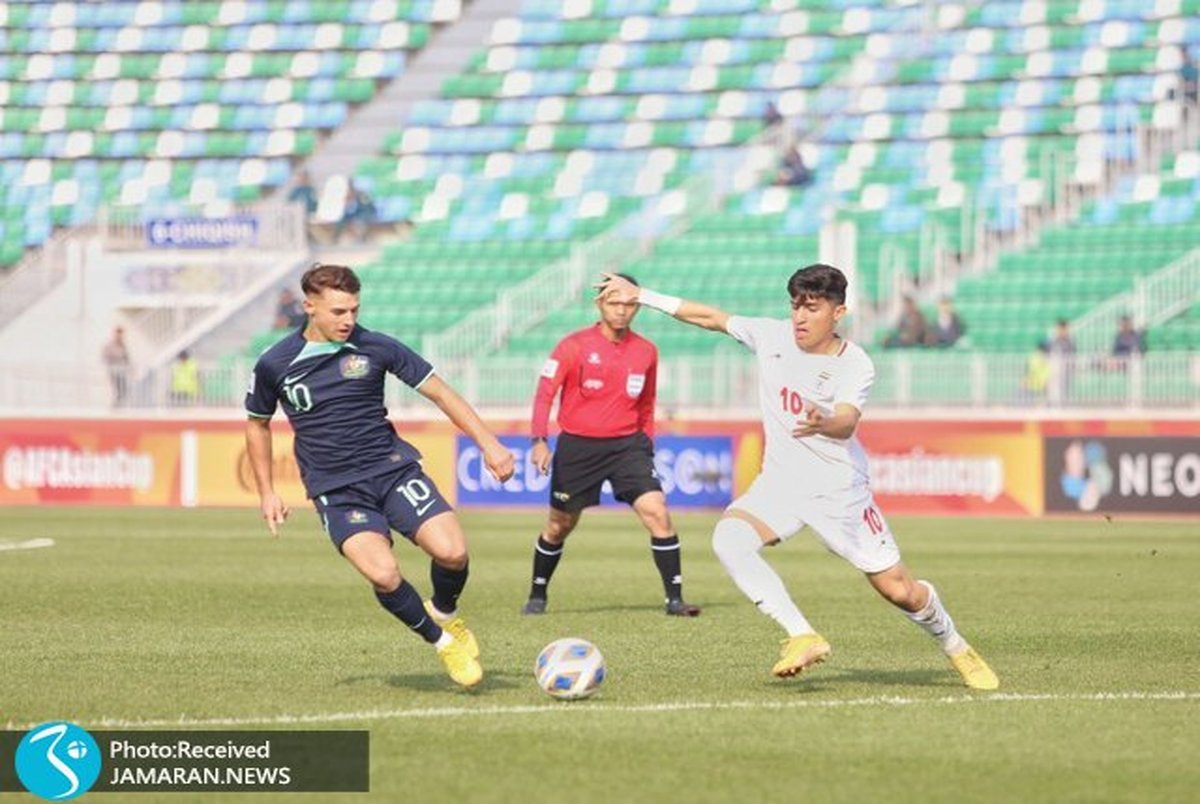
(917,466)
(224,476)
(1122,474)
(695,471)
(95,463)
(965,467)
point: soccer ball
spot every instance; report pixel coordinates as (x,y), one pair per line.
(569,668)
(77,749)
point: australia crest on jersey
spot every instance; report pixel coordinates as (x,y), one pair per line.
(354,366)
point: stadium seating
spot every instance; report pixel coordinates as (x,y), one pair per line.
(1149,222)
(982,113)
(184,102)
(923,123)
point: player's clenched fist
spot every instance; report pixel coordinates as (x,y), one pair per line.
(499,462)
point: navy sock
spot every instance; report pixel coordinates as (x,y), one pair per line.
(545,559)
(666,558)
(406,605)
(447,585)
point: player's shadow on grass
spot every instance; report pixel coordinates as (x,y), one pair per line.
(616,607)
(931,677)
(431,682)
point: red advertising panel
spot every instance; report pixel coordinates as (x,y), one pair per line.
(88,462)
(954,467)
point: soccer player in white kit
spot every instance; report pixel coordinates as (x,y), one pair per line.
(812,388)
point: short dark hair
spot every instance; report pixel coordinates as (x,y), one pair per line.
(818,281)
(629,279)
(329,277)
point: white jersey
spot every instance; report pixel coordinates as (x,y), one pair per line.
(790,379)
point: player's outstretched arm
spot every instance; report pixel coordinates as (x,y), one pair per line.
(497,459)
(689,312)
(258,448)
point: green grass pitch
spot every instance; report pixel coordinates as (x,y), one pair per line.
(152,616)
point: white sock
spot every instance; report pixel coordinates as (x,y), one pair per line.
(440,616)
(936,621)
(737,546)
(444,640)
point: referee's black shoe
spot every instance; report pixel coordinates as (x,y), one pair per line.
(676,607)
(535,605)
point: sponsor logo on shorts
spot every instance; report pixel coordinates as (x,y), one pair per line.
(356,517)
(354,366)
(561,496)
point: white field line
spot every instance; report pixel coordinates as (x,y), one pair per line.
(28,544)
(596,707)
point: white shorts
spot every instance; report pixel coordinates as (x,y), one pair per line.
(848,523)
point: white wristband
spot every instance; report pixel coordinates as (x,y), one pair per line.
(659,301)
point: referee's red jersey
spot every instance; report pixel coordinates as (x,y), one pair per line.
(608,389)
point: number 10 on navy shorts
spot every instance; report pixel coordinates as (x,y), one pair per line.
(402,501)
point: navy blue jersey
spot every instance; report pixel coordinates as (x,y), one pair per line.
(333,395)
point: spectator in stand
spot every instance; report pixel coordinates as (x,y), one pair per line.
(303,192)
(1036,381)
(911,329)
(1189,78)
(1062,362)
(947,326)
(358,212)
(289,312)
(1128,341)
(116,360)
(185,380)
(771,116)
(794,171)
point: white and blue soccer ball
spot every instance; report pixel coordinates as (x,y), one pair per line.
(569,668)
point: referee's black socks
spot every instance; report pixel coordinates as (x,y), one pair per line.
(545,559)
(666,558)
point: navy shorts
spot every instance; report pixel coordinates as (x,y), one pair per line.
(402,500)
(581,465)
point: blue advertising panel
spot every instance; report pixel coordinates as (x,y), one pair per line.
(695,471)
(201,232)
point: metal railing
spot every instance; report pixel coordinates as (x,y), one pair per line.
(722,383)
(1154,298)
(39,273)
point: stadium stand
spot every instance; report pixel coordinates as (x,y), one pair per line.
(1010,153)
(202,103)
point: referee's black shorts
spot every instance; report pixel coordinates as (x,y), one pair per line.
(581,465)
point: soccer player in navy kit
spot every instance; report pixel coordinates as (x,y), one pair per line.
(363,478)
(607,375)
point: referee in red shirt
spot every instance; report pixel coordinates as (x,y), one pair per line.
(607,375)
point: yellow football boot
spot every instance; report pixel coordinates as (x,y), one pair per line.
(974,670)
(463,668)
(800,652)
(457,628)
